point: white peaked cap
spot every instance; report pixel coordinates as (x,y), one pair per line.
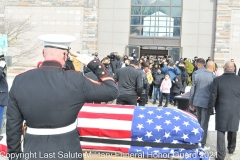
(60,41)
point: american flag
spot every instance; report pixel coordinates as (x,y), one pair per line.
(143,124)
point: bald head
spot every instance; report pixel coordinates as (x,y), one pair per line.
(55,54)
(210,66)
(229,66)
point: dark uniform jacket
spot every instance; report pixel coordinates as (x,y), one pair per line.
(225,97)
(86,70)
(3,87)
(50,97)
(129,81)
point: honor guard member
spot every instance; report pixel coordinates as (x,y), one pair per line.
(49,99)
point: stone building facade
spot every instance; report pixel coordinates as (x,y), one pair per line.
(90,16)
(227,37)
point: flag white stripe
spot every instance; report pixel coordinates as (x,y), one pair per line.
(107,110)
(104,124)
(102,144)
(4,140)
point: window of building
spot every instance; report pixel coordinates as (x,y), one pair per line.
(156,18)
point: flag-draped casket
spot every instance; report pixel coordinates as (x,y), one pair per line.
(150,132)
(172,129)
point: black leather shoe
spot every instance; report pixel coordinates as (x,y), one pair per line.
(230,151)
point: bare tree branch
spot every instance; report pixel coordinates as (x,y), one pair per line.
(16,31)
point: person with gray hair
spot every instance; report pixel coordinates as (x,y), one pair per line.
(225,98)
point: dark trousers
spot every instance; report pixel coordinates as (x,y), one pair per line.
(171,95)
(203,119)
(127,100)
(166,95)
(147,90)
(175,101)
(231,138)
(150,91)
(142,101)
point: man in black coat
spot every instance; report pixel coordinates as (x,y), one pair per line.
(49,99)
(130,84)
(225,97)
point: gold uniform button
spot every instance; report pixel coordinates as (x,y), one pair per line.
(99,67)
(94,61)
(103,72)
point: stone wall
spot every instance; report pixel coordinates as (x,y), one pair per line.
(89,34)
(198,28)
(226,19)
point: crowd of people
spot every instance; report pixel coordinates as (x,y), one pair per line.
(161,77)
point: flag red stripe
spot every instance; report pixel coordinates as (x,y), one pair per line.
(3,150)
(190,114)
(106,148)
(104,133)
(126,117)
(109,105)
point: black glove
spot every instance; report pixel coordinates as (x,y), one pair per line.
(210,111)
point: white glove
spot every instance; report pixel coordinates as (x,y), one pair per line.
(2,64)
(85,58)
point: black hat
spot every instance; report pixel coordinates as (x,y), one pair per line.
(134,62)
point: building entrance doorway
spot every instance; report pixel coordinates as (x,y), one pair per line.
(154,53)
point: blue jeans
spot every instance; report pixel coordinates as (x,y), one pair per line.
(171,97)
(1,116)
(156,93)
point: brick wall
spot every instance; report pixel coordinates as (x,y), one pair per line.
(89,44)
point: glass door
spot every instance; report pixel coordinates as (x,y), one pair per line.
(133,50)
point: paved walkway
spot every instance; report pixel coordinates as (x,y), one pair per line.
(212,134)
